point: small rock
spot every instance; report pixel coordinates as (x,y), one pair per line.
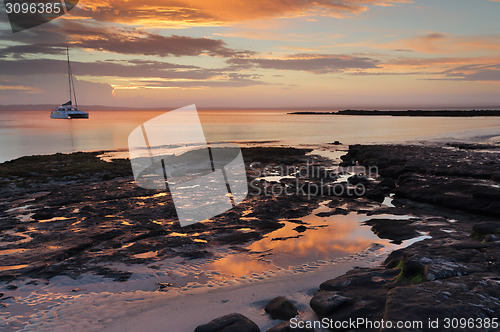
(300,229)
(163,285)
(281,308)
(342,211)
(356,179)
(11,287)
(229,323)
(326,302)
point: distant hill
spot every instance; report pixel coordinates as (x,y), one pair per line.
(419,113)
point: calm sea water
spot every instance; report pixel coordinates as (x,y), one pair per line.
(33,132)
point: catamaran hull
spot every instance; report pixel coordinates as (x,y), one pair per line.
(57,115)
(79,116)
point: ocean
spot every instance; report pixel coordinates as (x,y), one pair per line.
(33,132)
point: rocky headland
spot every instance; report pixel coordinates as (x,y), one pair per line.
(70,214)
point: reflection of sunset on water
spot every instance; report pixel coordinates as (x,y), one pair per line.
(237,266)
(343,235)
(326,238)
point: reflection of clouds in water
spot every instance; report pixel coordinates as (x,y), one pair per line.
(342,235)
(327,238)
(238,265)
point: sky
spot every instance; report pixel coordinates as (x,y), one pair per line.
(258,54)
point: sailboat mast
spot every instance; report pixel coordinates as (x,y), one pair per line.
(69,77)
(71,83)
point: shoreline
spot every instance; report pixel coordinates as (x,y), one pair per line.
(426,215)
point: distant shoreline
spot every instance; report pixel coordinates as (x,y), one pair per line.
(413,113)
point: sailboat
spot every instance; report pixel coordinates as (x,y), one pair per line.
(67,110)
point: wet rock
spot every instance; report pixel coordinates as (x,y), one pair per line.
(163,286)
(485,228)
(394,259)
(230,323)
(492,238)
(376,195)
(342,211)
(392,229)
(196,254)
(470,296)
(100,222)
(300,229)
(387,183)
(281,308)
(441,269)
(359,278)
(285,327)
(296,221)
(357,179)
(326,214)
(8,277)
(435,175)
(327,302)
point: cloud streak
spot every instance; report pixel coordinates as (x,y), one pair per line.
(313,63)
(133,42)
(165,13)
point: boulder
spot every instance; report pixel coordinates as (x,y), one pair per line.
(229,323)
(281,308)
(327,302)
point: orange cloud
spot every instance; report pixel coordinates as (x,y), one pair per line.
(171,13)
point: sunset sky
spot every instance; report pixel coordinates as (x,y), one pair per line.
(240,53)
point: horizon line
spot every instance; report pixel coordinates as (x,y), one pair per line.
(48,107)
